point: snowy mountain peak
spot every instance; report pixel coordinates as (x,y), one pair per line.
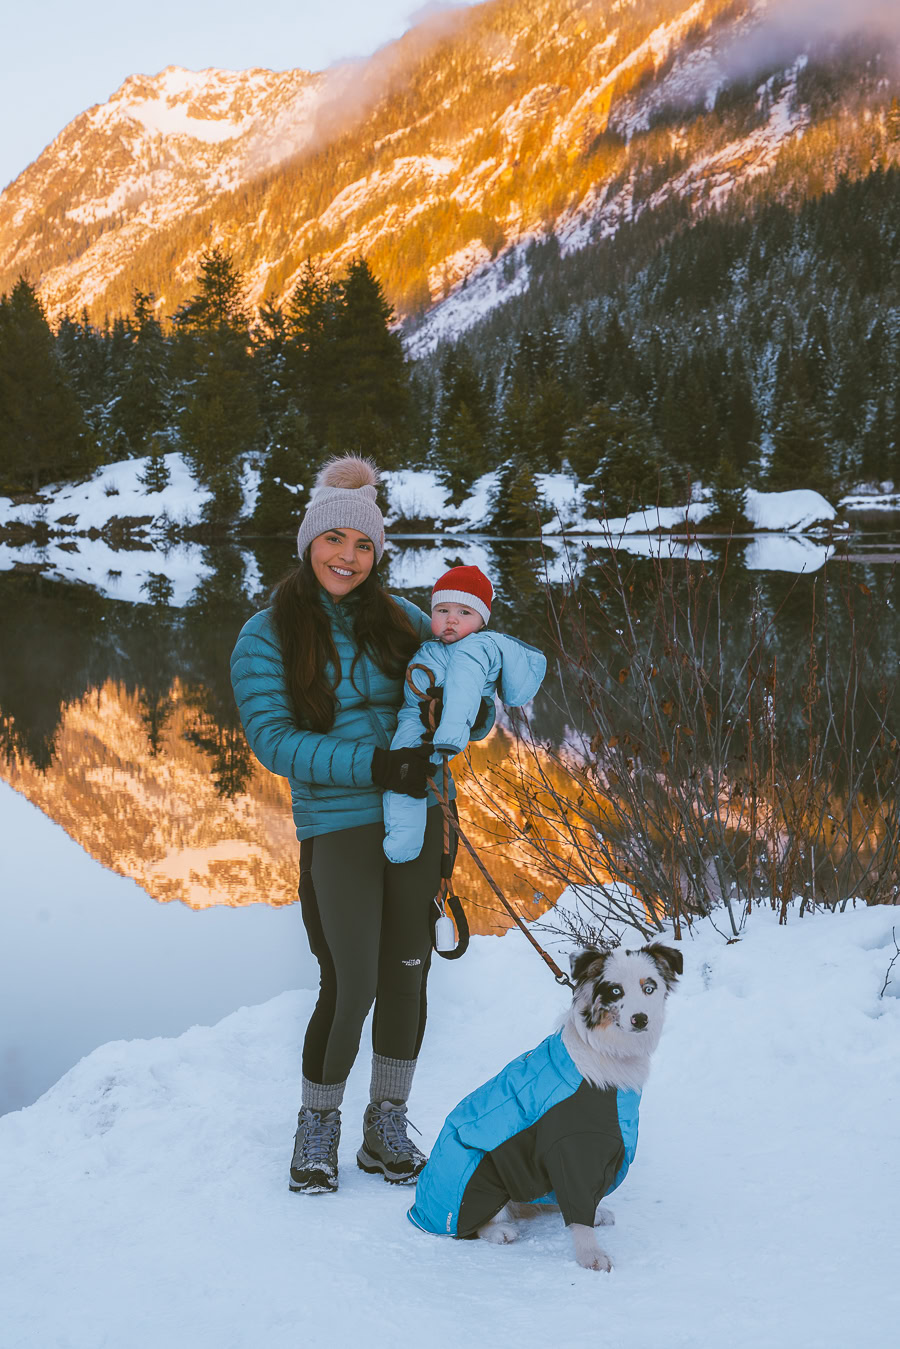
(444,156)
(162,146)
(206,105)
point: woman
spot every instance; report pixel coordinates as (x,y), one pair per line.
(318,679)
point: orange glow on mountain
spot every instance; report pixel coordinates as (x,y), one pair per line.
(158,819)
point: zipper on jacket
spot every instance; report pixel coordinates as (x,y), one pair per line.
(381,735)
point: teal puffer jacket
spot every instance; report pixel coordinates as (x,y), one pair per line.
(330,774)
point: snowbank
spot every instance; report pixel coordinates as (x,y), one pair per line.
(789,512)
(147,1188)
(415,495)
(115,492)
(783,512)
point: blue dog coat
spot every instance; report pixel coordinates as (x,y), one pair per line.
(466,671)
(537,1132)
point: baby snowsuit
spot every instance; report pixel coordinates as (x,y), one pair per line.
(467,671)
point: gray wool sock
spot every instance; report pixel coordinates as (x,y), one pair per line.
(319,1096)
(391,1079)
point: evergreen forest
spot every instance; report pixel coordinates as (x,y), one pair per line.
(739,348)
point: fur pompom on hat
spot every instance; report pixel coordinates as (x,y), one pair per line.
(465,585)
(344,497)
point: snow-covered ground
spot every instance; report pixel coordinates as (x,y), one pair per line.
(145,1199)
(87,956)
(418,494)
(116,492)
(783,519)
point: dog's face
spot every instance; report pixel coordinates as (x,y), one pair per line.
(620,996)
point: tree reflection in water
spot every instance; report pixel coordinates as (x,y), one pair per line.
(118,719)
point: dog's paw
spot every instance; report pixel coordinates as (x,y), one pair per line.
(604,1217)
(599,1260)
(501,1234)
(587,1253)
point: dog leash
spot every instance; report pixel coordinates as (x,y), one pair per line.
(445,898)
(442,935)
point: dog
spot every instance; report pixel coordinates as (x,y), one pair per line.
(558,1125)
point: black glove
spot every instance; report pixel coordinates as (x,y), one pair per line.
(437,702)
(402,770)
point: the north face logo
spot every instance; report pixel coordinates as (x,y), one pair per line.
(411,962)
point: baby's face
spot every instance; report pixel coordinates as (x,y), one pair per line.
(450,622)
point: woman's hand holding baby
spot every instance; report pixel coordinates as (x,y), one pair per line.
(402,770)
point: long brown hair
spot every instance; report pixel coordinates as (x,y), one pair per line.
(381,629)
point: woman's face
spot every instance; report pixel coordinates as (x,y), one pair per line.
(341,560)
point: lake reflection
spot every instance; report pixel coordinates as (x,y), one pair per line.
(117,719)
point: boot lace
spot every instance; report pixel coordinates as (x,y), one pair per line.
(318,1137)
(390,1124)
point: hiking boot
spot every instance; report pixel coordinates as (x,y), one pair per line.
(314,1165)
(387,1148)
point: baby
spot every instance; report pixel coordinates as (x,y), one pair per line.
(467,663)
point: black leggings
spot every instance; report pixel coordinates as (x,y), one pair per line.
(369,926)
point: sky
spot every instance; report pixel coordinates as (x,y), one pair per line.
(59,58)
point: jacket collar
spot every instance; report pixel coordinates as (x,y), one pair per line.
(339,611)
(562,1061)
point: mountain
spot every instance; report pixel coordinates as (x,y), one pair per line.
(124,171)
(475,134)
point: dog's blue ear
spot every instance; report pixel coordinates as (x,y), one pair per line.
(581,961)
(669,961)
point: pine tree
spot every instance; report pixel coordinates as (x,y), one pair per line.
(83,352)
(817,351)
(287,475)
(370,411)
(729,497)
(517,507)
(463,424)
(461,457)
(219,301)
(156,476)
(312,376)
(550,418)
(895,438)
(219,424)
(689,423)
(220,420)
(893,121)
(800,453)
(876,462)
(42,432)
(741,421)
(618,363)
(142,407)
(616,452)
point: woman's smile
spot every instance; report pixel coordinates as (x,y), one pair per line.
(341,560)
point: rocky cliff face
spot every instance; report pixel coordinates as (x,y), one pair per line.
(444,156)
(124,171)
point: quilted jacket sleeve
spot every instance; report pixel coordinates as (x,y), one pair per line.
(470,667)
(486,713)
(257,676)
